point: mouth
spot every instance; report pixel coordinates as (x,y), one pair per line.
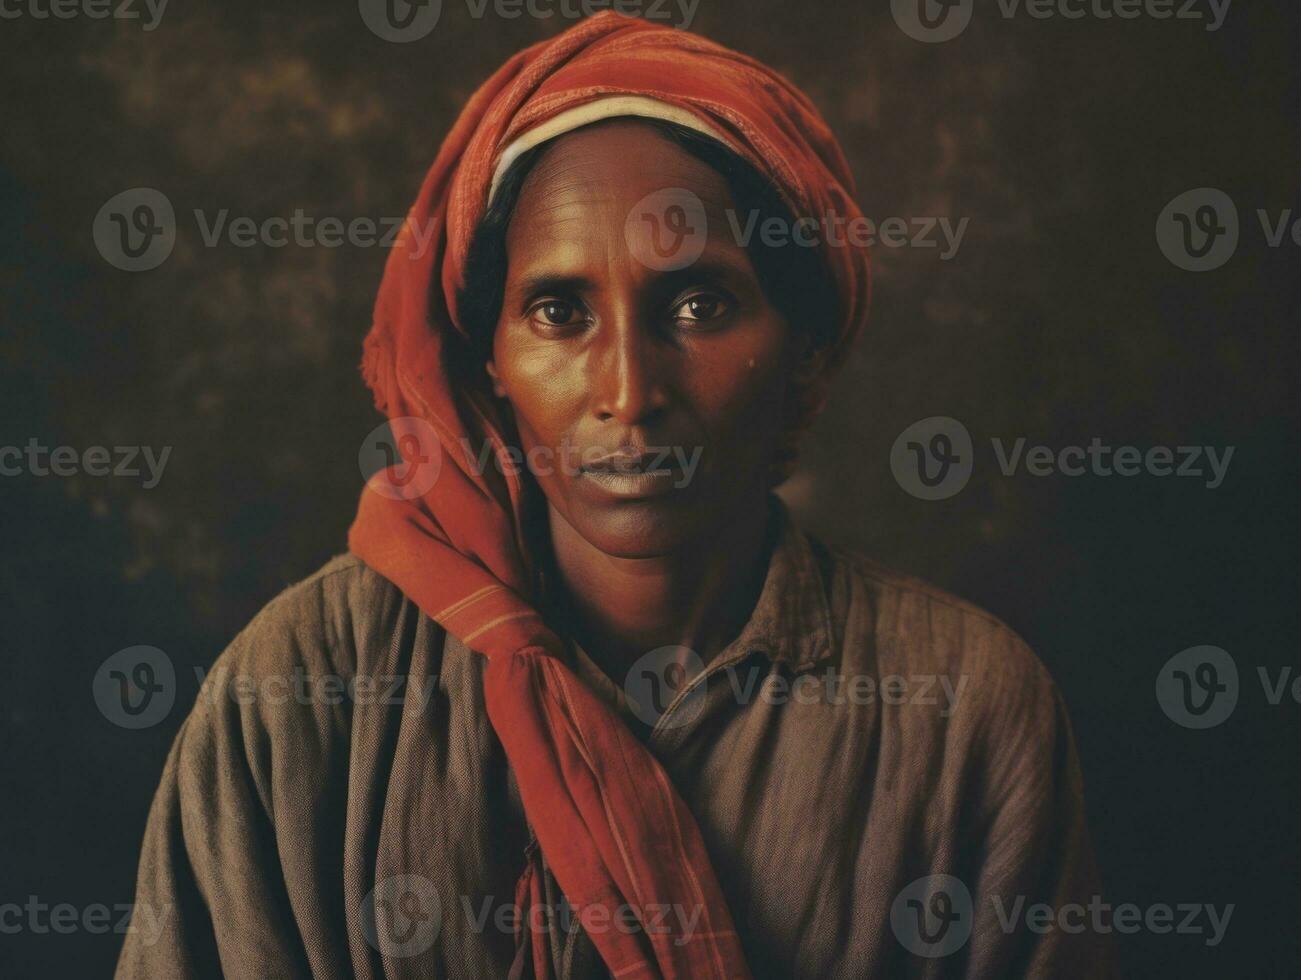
(632,475)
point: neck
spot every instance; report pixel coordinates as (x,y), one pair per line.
(699,597)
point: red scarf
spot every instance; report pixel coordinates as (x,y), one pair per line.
(610,825)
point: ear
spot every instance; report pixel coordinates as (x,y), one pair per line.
(808,386)
(498,388)
(810,362)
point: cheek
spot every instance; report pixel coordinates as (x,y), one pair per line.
(740,387)
(544,386)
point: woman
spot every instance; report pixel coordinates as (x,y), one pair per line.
(647,726)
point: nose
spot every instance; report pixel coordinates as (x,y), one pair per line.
(627,374)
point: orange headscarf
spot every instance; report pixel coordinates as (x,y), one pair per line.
(609,823)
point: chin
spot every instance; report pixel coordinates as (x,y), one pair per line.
(641,528)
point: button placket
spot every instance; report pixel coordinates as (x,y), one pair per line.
(719,665)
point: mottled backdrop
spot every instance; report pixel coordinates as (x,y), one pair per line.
(1053,143)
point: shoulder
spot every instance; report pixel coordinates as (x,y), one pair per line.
(322,622)
(893,623)
(277,694)
(990,703)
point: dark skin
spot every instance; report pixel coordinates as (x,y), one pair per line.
(599,354)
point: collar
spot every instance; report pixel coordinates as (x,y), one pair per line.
(791,621)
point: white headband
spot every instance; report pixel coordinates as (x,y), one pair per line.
(607,108)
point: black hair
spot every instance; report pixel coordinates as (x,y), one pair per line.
(793,276)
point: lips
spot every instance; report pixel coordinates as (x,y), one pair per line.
(630,462)
(632,475)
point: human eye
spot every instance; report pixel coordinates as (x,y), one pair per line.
(702,310)
(552,315)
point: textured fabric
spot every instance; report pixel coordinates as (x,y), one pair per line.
(275,821)
(608,820)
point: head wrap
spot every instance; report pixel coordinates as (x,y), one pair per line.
(609,823)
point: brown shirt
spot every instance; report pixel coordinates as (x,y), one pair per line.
(884,776)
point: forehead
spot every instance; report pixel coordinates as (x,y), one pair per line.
(586,183)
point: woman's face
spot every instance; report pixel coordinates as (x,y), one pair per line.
(649,401)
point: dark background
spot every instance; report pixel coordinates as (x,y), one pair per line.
(1058,320)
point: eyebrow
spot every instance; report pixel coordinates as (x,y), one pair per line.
(535,284)
(707,269)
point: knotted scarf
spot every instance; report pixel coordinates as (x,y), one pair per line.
(612,828)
